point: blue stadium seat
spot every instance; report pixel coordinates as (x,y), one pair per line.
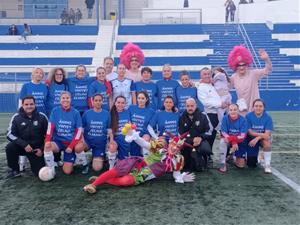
(55,30)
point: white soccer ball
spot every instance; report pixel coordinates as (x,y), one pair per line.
(47,173)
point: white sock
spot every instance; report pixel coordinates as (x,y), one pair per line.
(49,159)
(112,158)
(267,156)
(260,157)
(145,151)
(223,151)
(145,145)
(81,157)
(22,162)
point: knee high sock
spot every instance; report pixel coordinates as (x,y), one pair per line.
(267,156)
(145,145)
(104,177)
(124,181)
(81,157)
(49,159)
(223,151)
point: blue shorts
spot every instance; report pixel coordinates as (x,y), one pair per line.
(61,146)
(123,146)
(98,149)
(135,149)
(241,152)
(68,157)
(252,151)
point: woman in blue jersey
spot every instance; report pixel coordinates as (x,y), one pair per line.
(78,87)
(146,84)
(101,86)
(36,89)
(260,127)
(140,115)
(233,133)
(186,91)
(119,117)
(56,83)
(64,134)
(166,120)
(122,86)
(96,124)
(166,86)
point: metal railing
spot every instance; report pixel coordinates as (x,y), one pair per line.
(48,13)
(162,16)
(114,35)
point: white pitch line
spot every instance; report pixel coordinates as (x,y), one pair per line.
(285,152)
(286,126)
(286,180)
(279,135)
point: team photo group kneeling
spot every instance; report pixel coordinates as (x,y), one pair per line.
(138,129)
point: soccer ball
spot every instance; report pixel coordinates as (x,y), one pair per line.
(47,173)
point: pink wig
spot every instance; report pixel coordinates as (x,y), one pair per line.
(131,50)
(239,54)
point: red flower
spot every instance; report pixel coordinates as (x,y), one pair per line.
(176,139)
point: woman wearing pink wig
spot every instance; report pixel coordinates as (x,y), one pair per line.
(132,57)
(244,79)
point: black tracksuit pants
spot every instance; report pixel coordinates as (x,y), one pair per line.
(12,155)
(213,117)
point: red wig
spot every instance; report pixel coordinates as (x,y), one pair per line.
(239,54)
(131,50)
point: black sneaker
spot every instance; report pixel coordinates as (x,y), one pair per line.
(13,174)
(210,163)
(85,169)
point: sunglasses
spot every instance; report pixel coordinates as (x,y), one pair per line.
(134,60)
(240,65)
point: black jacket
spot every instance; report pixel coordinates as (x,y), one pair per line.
(23,130)
(89,3)
(197,127)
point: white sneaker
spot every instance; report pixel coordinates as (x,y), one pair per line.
(268,169)
(261,159)
(60,163)
(22,168)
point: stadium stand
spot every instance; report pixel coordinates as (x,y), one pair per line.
(165,43)
(287,37)
(48,46)
(188,46)
(213,51)
(55,30)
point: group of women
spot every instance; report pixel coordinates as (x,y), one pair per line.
(88,113)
